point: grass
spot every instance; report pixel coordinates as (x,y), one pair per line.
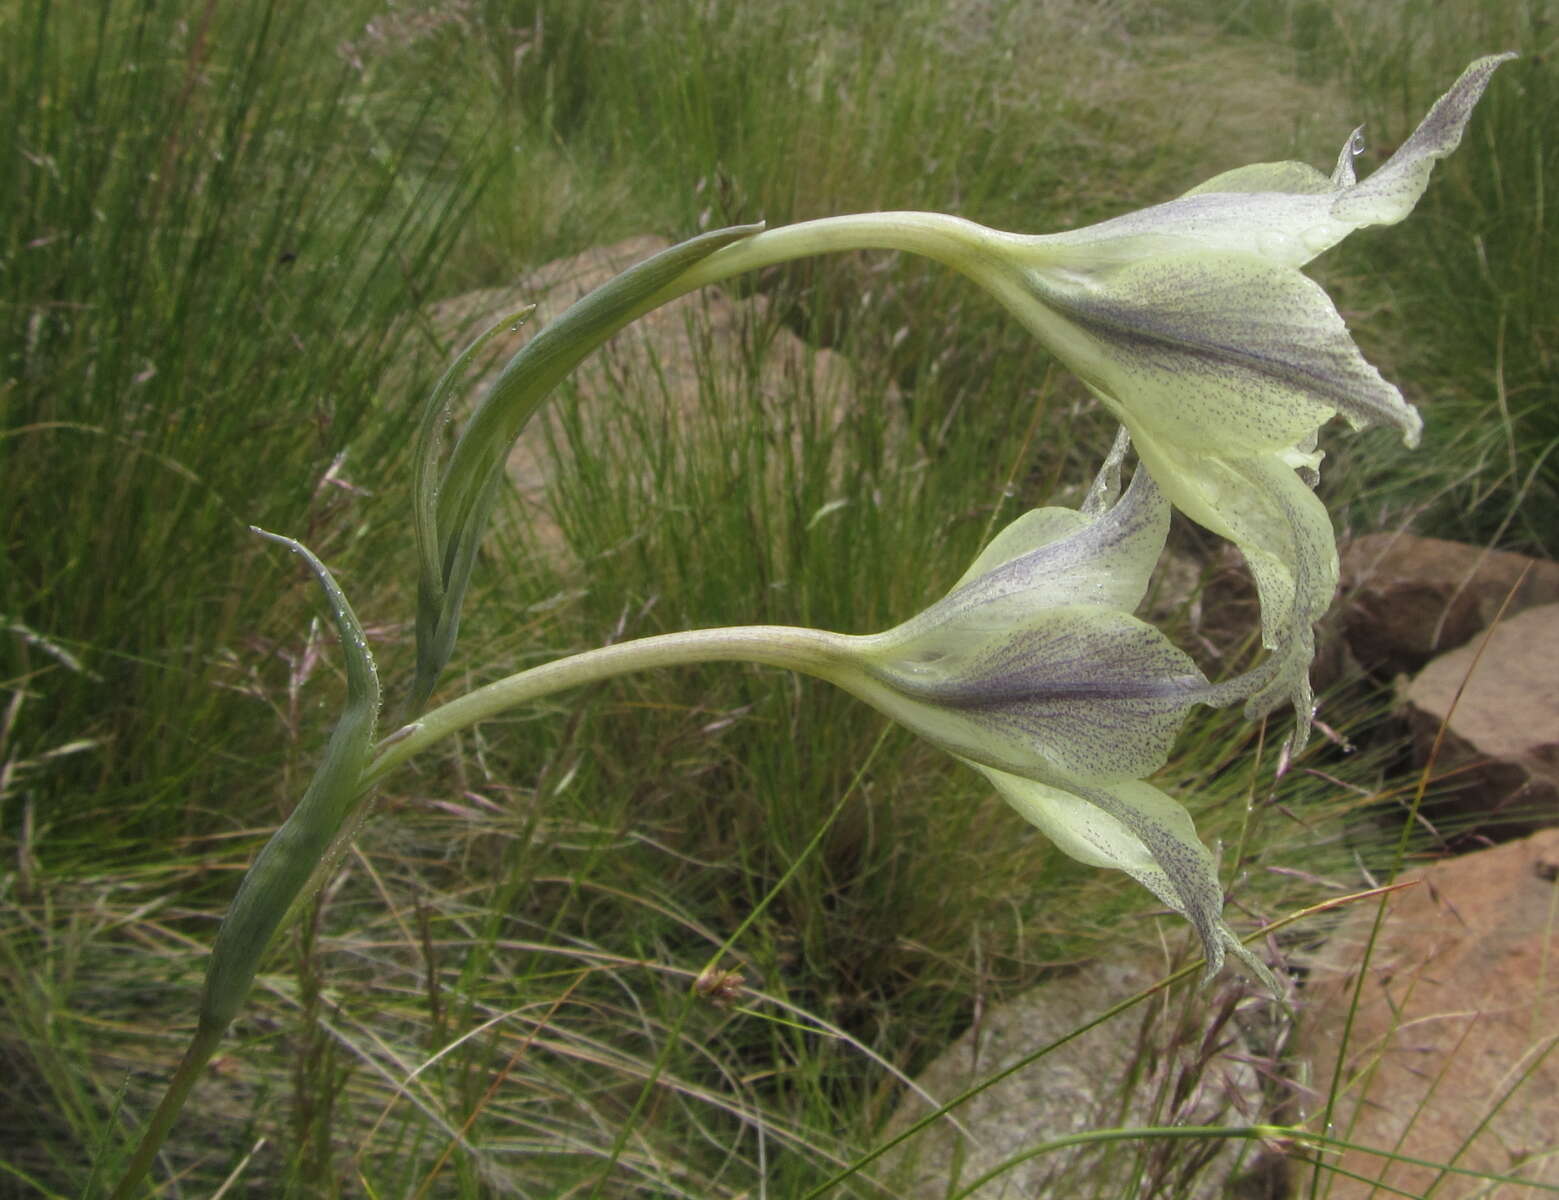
(217,247)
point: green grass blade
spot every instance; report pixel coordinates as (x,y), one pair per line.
(425,490)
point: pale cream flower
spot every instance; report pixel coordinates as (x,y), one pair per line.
(1034,670)
(1192,322)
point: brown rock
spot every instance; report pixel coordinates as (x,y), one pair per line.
(1409,598)
(666,362)
(1498,701)
(1449,1046)
(1138,1059)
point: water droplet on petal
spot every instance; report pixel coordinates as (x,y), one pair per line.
(1274,245)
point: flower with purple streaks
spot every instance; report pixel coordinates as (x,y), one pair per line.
(1192,322)
(1034,670)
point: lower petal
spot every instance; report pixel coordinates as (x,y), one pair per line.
(1136,828)
(1262,506)
(1133,827)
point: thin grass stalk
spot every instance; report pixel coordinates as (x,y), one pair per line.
(645,1092)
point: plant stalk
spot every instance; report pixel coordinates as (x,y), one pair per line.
(809,651)
(196,1055)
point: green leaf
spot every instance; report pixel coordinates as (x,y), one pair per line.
(277,880)
(466,495)
(435,415)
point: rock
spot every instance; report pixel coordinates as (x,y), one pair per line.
(1079,1087)
(1409,598)
(1459,1008)
(666,361)
(1499,759)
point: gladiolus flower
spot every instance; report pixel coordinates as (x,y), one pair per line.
(1034,670)
(1191,322)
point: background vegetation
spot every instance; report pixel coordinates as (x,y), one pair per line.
(222,231)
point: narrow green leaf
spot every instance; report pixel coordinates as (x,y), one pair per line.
(469,487)
(284,866)
(425,489)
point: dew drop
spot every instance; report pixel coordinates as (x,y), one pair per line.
(1271,244)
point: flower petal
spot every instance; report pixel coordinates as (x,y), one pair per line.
(1343,174)
(1288,212)
(1286,226)
(1082,692)
(1296,178)
(1088,833)
(1261,505)
(1136,828)
(1025,537)
(1221,351)
(1391,192)
(1058,556)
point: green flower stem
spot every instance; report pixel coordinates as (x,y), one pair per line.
(452,515)
(196,1055)
(809,651)
(983,254)
(947,239)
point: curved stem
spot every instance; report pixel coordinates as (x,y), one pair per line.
(451,527)
(964,245)
(199,1051)
(809,651)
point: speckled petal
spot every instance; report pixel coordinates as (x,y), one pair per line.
(1284,212)
(1135,828)
(1222,352)
(1261,505)
(1295,178)
(1391,192)
(1054,556)
(1092,693)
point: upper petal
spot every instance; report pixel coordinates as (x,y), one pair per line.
(1391,192)
(1058,556)
(1275,211)
(1299,178)
(1288,212)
